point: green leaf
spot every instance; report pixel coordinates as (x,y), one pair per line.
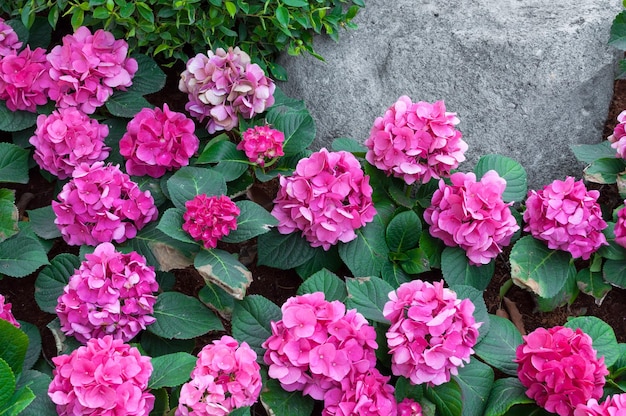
(321,259)
(403,231)
(13,163)
(510,170)
(42,221)
(149,77)
(21,255)
(182,317)
(592,284)
(7,383)
(283,251)
(394,274)
(416,263)
(614,272)
(296,3)
(171,370)
(480,308)
(218,300)
(324,281)
(368,295)
(348,145)
(155,346)
(457,270)
(251,322)
(447,397)
(160,250)
(613,251)
(52,279)
(231,8)
(223,269)
(498,348)
(604,170)
(38,382)
(282,15)
(188,182)
(13,346)
(588,153)
(253,220)
(15,121)
(284,403)
(476,382)
(34,344)
(216,150)
(618,31)
(9,215)
(366,255)
(566,295)
(126,104)
(603,336)
(171,223)
(505,393)
(297,126)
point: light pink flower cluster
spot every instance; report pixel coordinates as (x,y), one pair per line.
(9,41)
(620,226)
(567,217)
(560,368)
(226,377)
(87,67)
(24,79)
(105,377)
(6,313)
(362,394)
(66,138)
(416,141)
(618,138)
(432,332)
(209,218)
(261,144)
(110,294)
(223,85)
(101,204)
(327,198)
(158,140)
(614,405)
(472,215)
(408,407)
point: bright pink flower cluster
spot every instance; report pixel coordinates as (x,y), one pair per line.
(620,226)
(618,138)
(261,144)
(6,313)
(472,215)
(566,216)
(223,85)
(432,332)
(209,218)
(24,79)
(226,377)
(87,67)
(409,407)
(101,204)
(614,405)
(416,141)
(105,377)
(158,140)
(110,294)
(362,394)
(66,138)
(327,198)
(560,368)
(9,41)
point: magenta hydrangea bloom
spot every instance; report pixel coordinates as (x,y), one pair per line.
(101,204)
(560,368)
(361,394)
(87,67)
(65,139)
(105,377)
(567,217)
(110,294)
(416,141)
(6,313)
(432,332)
(226,377)
(472,215)
(24,79)
(614,405)
(209,218)
(262,144)
(9,41)
(620,226)
(223,85)
(618,138)
(409,407)
(327,198)
(317,344)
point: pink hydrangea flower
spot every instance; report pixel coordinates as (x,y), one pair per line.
(614,405)
(327,198)
(409,407)
(472,215)
(618,138)
(620,226)
(110,294)
(87,67)
(157,141)
(101,204)
(209,218)
(567,217)
(317,344)
(261,144)
(560,368)
(9,41)
(432,332)
(226,377)
(361,394)
(24,79)
(223,85)
(105,377)
(416,141)
(6,313)
(66,138)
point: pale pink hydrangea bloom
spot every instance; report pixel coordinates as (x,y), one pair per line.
(560,368)
(105,377)
(432,332)
(24,79)
(317,344)
(112,293)
(361,394)
(472,215)
(87,67)
(209,218)
(620,226)
(409,407)
(9,41)
(157,141)
(226,377)
(6,313)
(101,204)
(416,141)
(618,138)
(327,198)
(262,144)
(567,217)
(614,405)
(223,85)
(65,139)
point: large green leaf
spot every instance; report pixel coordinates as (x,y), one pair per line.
(126,104)
(7,383)
(366,255)
(21,255)
(403,231)
(476,382)
(321,259)
(447,397)
(587,153)
(457,270)
(149,77)
(38,382)
(9,216)
(13,346)
(348,145)
(160,250)
(216,150)
(506,392)
(223,269)
(296,124)
(34,344)
(592,284)
(52,279)
(394,274)
(498,348)
(13,162)
(218,300)
(253,220)
(368,295)
(42,221)
(324,281)
(284,403)
(618,31)
(190,181)
(604,170)
(171,223)
(15,120)
(614,272)
(171,370)
(251,322)
(603,336)
(155,346)
(182,317)
(283,251)
(510,170)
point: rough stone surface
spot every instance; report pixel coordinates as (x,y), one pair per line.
(527,78)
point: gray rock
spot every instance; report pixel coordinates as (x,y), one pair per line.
(527,78)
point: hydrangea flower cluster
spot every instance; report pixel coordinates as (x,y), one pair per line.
(472,215)
(618,138)
(614,405)
(157,141)
(101,204)
(226,377)
(9,41)
(363,394)
(327,198)
(209,218)
(6,313)
(416,141)
(87,67)
(105,377)
(223,85)
(432,332)
(65,139)
(620,226)
(262,144)
(110,294)
(560,369)
(567,217)
(24,79)
(408,407)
